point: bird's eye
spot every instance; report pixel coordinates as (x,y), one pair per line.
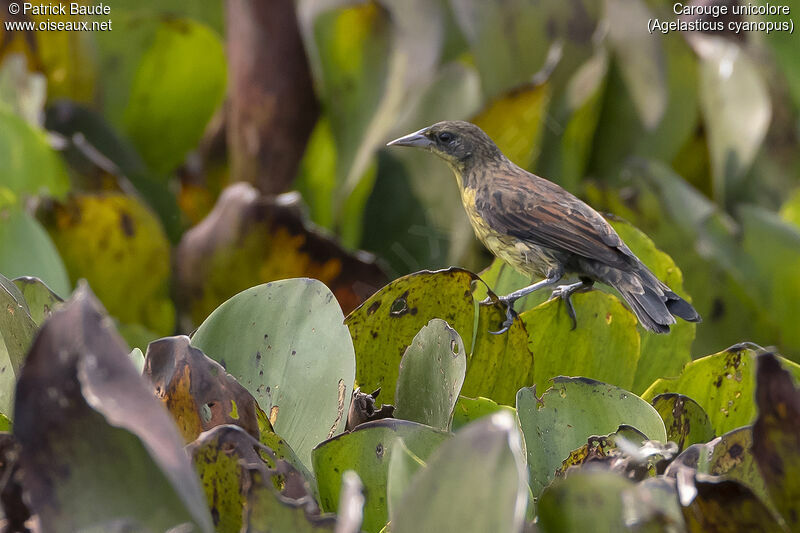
(445,137)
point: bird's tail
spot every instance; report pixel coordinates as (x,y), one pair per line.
(651,300)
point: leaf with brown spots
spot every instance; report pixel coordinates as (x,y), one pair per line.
(385,325)
(249,239)
(118,245)
(723,384)
(776,436)
(685,420)
(196,390)
(86,420)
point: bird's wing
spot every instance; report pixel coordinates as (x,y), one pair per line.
(541,212)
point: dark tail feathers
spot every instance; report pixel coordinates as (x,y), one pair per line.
(652,301)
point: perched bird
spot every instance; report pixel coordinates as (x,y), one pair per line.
(542,230)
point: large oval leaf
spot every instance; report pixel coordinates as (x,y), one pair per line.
(431,374)
(286,343)
(489,495)
(384,325)
(367,450)
(570,412)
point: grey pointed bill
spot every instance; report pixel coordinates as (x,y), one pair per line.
(416,139)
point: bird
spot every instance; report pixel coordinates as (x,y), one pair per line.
(543,231)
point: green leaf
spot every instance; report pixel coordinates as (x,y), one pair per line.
(29,251)
(384,325)
(470,409)
(99,418)
(640,56)
(499,364)
(431,374)
(723,384)
(179,83)
(584,501)
(367,450)
(17,330)
(403,464)
(736,110)
(40,299)
(776,436)
(491,493)
(30,166)
(661,355)
(285,342)
(685,420)
(732,456)
(116,243)
(570,412)
(604,345)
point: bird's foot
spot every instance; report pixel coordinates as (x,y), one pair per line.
(565,292)
(510,316)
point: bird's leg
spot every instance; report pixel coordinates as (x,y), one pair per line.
(509,300)
(565,292)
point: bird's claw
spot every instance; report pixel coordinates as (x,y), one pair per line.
(510,316)
(564,292)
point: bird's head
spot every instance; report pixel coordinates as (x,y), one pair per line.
(457,142)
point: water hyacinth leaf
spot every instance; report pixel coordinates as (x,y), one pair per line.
(470,409)
(732,456)
(736,110)
(384,325)
(605,345)
(116,243)
(178,85)
(640,57)
(661,355)
(776,436)
(723,384)
(31,166)
(430,377)
(490,495)
(79,441)
(685,420)
(570,412)
(196,390)
(40,299)
(499,364)
(219,456)
(584,501)
(29,251)
(515,122)
(249,239)
(726,505)
(403,464)
(275,336)
(367,451)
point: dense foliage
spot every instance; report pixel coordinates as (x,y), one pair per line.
(324,387)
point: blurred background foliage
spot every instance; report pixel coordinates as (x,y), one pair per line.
(116,147)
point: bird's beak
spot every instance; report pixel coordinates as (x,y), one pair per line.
(416,139)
